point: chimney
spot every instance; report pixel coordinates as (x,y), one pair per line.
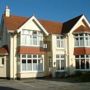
(7,12)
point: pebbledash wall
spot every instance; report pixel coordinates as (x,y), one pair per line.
(57,51)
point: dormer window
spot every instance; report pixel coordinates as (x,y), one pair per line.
(82,40)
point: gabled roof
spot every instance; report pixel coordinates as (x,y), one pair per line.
(67,26)
(13,23)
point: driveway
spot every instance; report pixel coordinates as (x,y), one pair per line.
(42,84)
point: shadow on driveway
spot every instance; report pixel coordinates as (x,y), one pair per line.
(68,79)
(7,88)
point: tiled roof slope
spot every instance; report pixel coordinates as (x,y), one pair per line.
(67,26)
(81,51)
(82,29)
(14,22)
(29,50)
(52,27)
(3,51)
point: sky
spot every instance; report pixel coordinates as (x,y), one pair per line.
(55,10)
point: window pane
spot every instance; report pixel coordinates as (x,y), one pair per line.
(81,41)
(62,44)
(58,64)
(2,61)
(34,64)
(57,56)
(62,56)
(81,34)
(82,56)
(23,65)
(86,41)
(34,56)
(77,63)
(58,43)
(34,40)
(29,56)
(62,64)
(29,64)
(58,37)
(23,39)
(40,65)
(87,64)
(23,55)
(39,56)
(82,63)
(28,40)
(77,56)
(76,42)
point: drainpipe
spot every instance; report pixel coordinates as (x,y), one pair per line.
(68,52)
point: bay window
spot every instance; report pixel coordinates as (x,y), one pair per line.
(31,38)
(31,62)
(82,61)
(82,40)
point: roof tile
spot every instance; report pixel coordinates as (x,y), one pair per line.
(30,50)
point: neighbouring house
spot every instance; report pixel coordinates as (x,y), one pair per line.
(30,47)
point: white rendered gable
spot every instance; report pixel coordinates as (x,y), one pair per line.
(32,24)
(79,23)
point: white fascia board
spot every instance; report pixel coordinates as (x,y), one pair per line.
(86,21)
(83,17)
(33,18)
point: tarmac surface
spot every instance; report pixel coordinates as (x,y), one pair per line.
(42,84)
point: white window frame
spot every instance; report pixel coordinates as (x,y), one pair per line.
(42,57)
(59,41)
(85,58)
(61,57)
(39,38)
(85,42)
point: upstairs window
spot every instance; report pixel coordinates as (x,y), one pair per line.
(82,40)
(60,42)
(31,38)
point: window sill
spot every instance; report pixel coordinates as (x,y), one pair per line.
(1,65)
(82,69)
(30,45)
(81,46)
(60,48)
(31,71)
(60,70)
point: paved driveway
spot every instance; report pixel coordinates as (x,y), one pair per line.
(38,84)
